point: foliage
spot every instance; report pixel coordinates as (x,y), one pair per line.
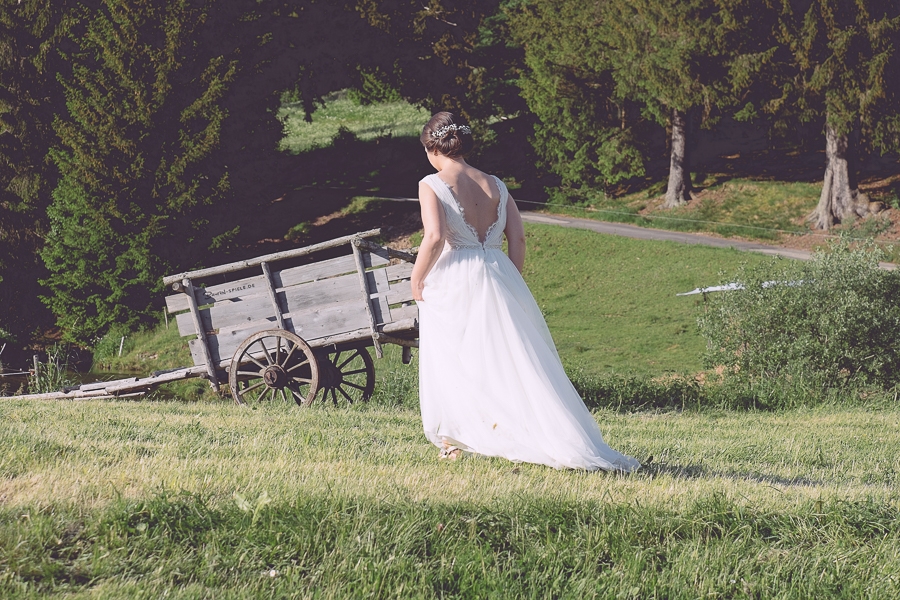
(596,97)
(445,55)
(168,143)
(52,375)
(581,132)
(823,60)
(29,33)
(830,323)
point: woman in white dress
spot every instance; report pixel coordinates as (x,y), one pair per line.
(490,379)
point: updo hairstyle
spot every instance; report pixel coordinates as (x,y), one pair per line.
(451,141)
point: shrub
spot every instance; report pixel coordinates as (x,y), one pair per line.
(816,327)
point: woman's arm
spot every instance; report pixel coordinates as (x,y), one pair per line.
(432,240)
(515,234)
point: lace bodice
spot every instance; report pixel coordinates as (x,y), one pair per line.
(460,235)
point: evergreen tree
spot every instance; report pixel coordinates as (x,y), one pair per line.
(835,62)
(598,71)
(453,55)
(29,96)
(584,132)
(671,56)
(167,146)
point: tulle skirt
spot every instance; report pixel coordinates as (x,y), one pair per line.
(490,378)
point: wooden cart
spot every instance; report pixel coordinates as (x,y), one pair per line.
(300,332)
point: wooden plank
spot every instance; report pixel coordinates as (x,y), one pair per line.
(253,262)
(227,314)
(273,298)
(323,269)
(378,283)
(201,335)
(308,325)
(248,286)
(406,325)
(405,312)
(252,286)
(399,293)
(307,297)
(399,271)
(391,252)
(366,295)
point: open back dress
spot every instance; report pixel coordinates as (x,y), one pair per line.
(490,378)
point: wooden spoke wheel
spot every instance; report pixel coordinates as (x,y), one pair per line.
(272,365)
(346,376)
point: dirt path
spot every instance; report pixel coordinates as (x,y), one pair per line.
(646,233)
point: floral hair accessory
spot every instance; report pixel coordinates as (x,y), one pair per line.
(443,131)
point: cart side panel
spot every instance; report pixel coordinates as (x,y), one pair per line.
(399,294)
(310,324)
(247,286)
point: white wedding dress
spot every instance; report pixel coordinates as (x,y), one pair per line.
(490,379)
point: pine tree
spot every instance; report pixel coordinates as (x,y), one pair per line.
(29,96)
(167,146)
(584,132)
(671,56)
(837,64)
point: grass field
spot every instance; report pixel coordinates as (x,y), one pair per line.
(144,500)
(366,122)
(206,499)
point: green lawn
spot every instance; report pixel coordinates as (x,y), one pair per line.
(145,500)
(197,499)
(610,301)
(366,122)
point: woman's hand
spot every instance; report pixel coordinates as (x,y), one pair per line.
(417,288)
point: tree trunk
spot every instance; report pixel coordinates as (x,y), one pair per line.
(840,199)
(679,190)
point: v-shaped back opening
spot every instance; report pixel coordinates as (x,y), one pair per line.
(462,210)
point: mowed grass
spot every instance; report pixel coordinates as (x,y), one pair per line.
(187,499)
(366,122)
(103,499)
(610,301)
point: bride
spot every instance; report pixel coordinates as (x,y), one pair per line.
(490,379)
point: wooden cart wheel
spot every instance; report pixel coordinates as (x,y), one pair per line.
(346,376)
(274,364)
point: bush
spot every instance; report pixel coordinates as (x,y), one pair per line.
(818,327)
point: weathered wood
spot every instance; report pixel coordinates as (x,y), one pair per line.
(75,395)
(392,252)
(270,287)
(120,387)
(407,325)
(307,324)
(201,335)
(366,297)
(402,313)
(99,385)
(399,293)
(378,284)
(399,271)
(253,262)
(249,286)
(388,339)
(315,295)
